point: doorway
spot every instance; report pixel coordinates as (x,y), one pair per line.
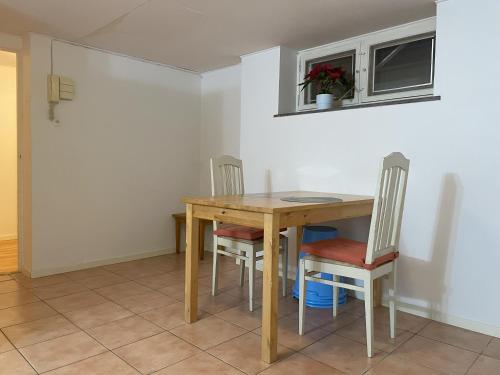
(9,252)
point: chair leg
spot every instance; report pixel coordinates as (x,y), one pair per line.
(251,278)
(368,289)
(242,272)
(302,295)
(215,276)
(284,266)
(335,296)
(392,300)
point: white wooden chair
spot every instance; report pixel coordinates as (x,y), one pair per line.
(236,241)
(363,261)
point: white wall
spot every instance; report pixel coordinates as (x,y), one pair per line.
(107,178)
(450,238)
(220,118)
(8,145)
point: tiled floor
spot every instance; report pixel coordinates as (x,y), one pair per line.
(127,318)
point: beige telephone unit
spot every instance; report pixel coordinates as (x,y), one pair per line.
(58,88)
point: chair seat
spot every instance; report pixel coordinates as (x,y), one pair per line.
(241,232)
(346,251)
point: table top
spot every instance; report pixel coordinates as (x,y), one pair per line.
(271,202)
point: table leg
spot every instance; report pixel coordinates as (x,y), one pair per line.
(177,236)
(270,289)
(300,232)
(202,239)
(191,289)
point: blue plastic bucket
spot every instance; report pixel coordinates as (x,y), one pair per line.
(318,295)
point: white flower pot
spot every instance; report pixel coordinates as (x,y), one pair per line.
(324,101)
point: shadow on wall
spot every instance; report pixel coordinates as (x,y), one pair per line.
(433,276)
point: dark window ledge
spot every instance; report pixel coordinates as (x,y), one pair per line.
(365,105)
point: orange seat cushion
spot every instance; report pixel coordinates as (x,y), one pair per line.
(346,251)
(239,231)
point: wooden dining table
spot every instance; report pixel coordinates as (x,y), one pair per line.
(270,212)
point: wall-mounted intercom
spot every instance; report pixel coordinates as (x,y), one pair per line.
(58,88)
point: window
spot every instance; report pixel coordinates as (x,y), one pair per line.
(385,65)
(345,60)
(402,65)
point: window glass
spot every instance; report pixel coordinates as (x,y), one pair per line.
(402,66)
(346,61)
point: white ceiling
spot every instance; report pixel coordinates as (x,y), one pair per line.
(202,35)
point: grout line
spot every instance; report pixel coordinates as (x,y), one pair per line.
(447,343)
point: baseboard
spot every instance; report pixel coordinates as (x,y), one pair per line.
(7,237)
(471,325)
(102,262)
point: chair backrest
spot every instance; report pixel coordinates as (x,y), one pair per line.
(226,174)
(388,207)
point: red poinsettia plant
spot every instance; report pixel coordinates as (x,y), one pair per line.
(328,80)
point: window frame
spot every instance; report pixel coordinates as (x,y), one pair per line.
(326,51)
(363,44)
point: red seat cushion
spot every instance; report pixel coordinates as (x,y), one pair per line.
(239,231)
(346,251)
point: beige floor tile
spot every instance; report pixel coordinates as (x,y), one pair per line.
(177,291)
(244,353)
(455,336)
(317,317)
(226,282)
(19,297)
(61,351)
(200,364)
(39,330)
(5,345)
(87,273)
(102,280)
(170,316)
(493,348)
(435,355)
(8,286)
(396,365)
(25,313)
(124,331)
(13,363)
(240,316)
(218,303)
(485,366)
(102,364)
(76,301)
(97,315)
(208,332)
(287,306)
(404,321)
(123,290)
(160,281)
(138,270)
(145,301)
(58,290)
(288,333)
(299,364)
(155,353)
(356,331)
(353,306)
(28,282)
(343,354)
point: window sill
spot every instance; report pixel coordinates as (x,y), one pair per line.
(365,105)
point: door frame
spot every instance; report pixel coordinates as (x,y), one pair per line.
(21,163)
